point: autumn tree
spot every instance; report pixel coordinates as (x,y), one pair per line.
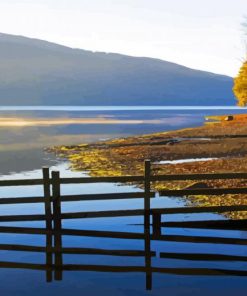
(240,85)
(240,82)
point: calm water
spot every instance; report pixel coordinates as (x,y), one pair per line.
(22,147)
(21,156)
(115,108)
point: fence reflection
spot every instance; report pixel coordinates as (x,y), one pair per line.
(54,265)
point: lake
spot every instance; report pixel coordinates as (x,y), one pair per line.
(22,146)
(26,131)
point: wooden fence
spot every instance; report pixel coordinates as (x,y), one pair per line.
(54,231)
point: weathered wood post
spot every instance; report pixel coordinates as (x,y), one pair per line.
(57,224)
(156,223)
(147,190)
(147,169)
(48,218)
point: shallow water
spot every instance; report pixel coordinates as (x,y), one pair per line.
(187,160)
(29,282)
(21,156)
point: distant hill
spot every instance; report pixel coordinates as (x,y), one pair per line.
(36,72)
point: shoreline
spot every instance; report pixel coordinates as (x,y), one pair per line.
(222,140)
(225,143)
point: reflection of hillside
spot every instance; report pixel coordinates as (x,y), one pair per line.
(22,149)
(23,160)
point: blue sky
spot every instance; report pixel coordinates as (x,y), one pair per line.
(201,34)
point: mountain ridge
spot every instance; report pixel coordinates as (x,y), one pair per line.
(40,72)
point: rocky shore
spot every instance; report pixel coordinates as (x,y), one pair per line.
(212,148)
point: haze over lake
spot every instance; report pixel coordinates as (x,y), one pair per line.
(30,129)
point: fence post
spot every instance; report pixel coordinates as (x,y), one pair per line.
(157,223)
(147,190)
(57,224)
(48,218)
(147,170)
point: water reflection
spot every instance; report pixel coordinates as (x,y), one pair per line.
(21,148)
(166,251)
(54,265)
(179,246)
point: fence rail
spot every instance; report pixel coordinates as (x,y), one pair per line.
(53,217)
(124,179)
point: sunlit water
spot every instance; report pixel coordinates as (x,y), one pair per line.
(18,161)
(22,147)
